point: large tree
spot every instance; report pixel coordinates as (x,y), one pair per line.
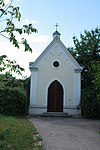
(8,16)
(87,53)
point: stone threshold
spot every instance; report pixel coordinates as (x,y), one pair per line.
(55,114)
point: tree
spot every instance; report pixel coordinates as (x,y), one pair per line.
(96,71)
(9,66)
(87,53)
(8,15)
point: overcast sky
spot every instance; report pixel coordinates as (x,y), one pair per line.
(73,17)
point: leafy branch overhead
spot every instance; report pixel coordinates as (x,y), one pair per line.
(9,66)
(10,17)
(9,31)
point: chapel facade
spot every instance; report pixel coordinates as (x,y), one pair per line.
(55,80)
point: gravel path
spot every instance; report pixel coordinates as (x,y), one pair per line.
(68,133)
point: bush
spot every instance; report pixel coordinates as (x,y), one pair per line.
(90,103)
(27,86)
(14,95)
(13,101)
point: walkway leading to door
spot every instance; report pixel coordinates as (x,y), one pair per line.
(68,134)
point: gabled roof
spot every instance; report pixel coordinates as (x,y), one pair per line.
(55,39)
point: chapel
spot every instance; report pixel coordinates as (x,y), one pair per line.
(55,80)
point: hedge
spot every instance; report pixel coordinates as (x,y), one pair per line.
(90,103)
(13,101)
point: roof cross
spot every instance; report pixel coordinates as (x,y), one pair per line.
(56,26)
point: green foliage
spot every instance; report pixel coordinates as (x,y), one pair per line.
(12,101)
(9,15)
(88,47)
(13,98)
(27,86)
(2,4)
(87,53)
(91,94)
(90,103)
(9,66)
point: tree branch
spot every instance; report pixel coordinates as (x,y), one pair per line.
(4,36)
(6,8)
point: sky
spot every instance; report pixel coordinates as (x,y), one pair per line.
(73,17)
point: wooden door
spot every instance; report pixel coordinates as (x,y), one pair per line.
(55,97)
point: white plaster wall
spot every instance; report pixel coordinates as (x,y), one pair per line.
(77,89)
(47,74)
(33,89)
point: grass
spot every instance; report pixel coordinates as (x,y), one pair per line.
(17,133)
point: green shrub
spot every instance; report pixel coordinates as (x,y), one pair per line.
(13,96)
(27,86)
(13,101)
(90,103)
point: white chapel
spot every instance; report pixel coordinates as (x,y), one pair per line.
(55,80)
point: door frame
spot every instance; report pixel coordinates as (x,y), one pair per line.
(63,94)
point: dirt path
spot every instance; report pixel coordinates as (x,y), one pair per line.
(68,134)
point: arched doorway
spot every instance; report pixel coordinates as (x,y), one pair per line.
(55,97)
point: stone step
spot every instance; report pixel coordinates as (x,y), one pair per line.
(55,114)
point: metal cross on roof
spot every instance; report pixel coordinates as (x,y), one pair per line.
(56,26)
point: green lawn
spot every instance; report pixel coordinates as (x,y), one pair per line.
(17,133)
